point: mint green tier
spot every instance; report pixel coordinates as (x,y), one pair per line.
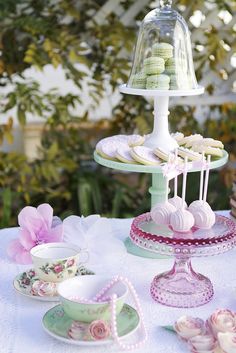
(158,188)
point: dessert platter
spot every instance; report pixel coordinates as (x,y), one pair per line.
(163,67)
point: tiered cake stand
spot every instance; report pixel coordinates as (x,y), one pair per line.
(180,287)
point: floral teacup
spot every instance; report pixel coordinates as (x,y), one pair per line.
(55,262)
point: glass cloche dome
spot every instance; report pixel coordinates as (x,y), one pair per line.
(163,54)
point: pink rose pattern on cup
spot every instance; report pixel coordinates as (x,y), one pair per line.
(216,335)
(96,330)
(59,267)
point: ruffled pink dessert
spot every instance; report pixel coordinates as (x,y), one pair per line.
(161,212)
(181,220)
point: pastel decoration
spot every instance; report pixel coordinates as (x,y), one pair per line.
(188,327)
(144,155)
(163,50)
(139,80)
(87,233)
(123,154)
(213,151)
(182,220)
(135,140)
(227,341)
(190,139)
(158,82)
(161,212)
(190,154)
(108,149)
(153,65)
(170,66)
(222,320)
(174,82)
(212,143)
(178,136)
(37,226)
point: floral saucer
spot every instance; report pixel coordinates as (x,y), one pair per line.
(28,284)
(59,325)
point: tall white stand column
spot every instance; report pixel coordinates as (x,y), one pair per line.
(160,136)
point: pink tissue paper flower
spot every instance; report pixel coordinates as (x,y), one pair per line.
(37,226)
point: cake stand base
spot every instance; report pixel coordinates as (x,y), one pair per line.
(181,287)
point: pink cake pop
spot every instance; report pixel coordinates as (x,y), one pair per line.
(161,212)
(182,220)
(201,210)
(176,200)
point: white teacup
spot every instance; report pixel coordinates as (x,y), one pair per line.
(55,262)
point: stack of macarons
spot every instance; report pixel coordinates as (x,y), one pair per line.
(159,70)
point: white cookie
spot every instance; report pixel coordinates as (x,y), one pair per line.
(123,154)
(190,138)
(212,143)
(119,139)
(135,140)
(144,155)
(192,155)
(108,149)
(178,136)
(213,151)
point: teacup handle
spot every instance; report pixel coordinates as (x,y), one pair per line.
(86,253)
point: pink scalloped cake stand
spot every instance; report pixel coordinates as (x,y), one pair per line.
(181,286)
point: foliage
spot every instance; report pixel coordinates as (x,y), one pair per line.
(65,34)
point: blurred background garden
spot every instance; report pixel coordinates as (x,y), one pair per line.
(61,62)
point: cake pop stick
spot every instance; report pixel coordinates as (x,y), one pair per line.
(167,189)
(206,178)
(176,177)
(182,220)
(184,180)
(201,178)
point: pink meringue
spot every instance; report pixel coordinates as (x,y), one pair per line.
(161,212)
(181,220)
(177,202)
(203,215)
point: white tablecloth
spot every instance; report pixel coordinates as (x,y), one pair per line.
(20,318)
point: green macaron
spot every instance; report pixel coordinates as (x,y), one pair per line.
(170,66)
(153,65)
(158,82)
(138,80)
(173,82)
(163,50)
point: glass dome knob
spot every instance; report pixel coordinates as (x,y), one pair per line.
(165,3)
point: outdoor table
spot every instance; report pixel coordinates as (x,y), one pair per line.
(21,318)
